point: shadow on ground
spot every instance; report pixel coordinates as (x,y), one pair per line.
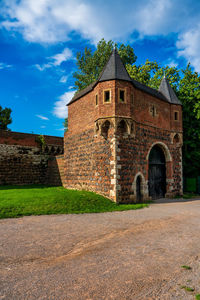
(175,200)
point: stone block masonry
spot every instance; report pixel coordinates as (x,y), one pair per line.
(87,163)
(124,139)
(24,161)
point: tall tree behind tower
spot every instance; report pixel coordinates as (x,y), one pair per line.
(91,64)
(5,118)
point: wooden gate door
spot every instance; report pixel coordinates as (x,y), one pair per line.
(157,173)
(138,189)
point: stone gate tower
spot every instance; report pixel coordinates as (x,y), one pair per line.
(124,138)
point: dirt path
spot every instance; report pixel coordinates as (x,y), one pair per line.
(120,255)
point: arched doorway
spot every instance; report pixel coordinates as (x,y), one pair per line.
(157,173)
(138,189)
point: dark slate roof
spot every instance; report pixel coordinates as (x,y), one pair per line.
(166,89)
(148,90)
(114,69)
(83,92)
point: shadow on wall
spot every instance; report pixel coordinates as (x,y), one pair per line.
(55,171)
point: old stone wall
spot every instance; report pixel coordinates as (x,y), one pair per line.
(23,160)
(55,171)
(87,162)
(28,139)
(133,160)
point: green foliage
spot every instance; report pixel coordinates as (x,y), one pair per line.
(151,74)
(186,267)
(143,73)
(91,64)
(5,118)
(189,94)
(191,185)
(197,296)
(41,141)
(16,201)
(65,124)
(187,288)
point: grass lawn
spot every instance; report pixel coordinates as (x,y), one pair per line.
(17,201)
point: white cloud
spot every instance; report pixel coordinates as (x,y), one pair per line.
(189,45)
(42,117)
(172,64)
(60,129)
(60,109)
(61,57)
(4,66)
(63,79)
(50,21)
(42,67)
(56,60)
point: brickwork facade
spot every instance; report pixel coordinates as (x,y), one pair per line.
(23,161)
(108,144)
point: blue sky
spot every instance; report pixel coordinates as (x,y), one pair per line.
(39,40)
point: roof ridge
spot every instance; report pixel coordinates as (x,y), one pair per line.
(104,67)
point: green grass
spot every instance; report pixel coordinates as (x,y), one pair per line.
(17,201)
(187,288)
(186,267)
(187,196)
(197,296)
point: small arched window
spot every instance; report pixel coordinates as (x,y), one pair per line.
(46,150)
(52,149)
(122,127)
(58,150)
(176,139)
(105,128)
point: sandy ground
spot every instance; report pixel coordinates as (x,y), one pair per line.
(119,255)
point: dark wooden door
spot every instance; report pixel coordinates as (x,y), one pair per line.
(138,189)
(157,173)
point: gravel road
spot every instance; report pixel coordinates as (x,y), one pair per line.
(120,255)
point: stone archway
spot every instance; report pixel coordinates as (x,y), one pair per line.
(168,157)
(157,172)
(139,188)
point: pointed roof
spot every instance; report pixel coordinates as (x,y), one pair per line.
(166,89)
(114,69)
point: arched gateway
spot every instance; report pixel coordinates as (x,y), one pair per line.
(157,173)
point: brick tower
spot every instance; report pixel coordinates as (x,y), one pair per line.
(124,138)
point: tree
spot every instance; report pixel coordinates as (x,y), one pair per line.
(91,64)
(189,94)
(5,118)
(151,74)
(65,124)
